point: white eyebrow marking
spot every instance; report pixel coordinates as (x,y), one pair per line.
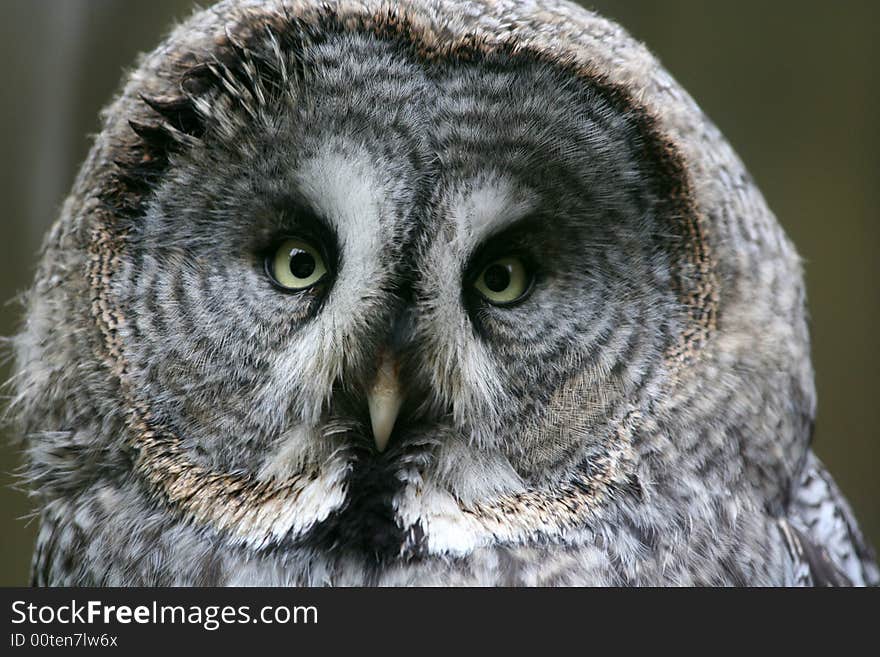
(345,189)
(487,205)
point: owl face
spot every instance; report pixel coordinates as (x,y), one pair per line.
(446,292)
(374,299)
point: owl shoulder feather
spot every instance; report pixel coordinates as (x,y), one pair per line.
(822,536)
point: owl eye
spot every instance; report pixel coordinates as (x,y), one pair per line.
(504,281)
(296,265)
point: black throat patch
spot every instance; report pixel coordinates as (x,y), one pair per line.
(366,526)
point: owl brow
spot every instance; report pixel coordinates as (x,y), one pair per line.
(293,213)
(522,237)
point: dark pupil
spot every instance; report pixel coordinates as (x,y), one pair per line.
(497,278)
(302,263)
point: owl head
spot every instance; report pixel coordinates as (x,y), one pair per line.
(389,282)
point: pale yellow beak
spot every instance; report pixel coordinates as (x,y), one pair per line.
(384,401)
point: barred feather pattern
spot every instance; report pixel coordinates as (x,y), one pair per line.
(642,418)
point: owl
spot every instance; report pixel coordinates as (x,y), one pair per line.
(433,292)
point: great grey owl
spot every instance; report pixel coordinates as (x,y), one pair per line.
(434,292)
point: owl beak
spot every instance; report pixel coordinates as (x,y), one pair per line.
(384,400)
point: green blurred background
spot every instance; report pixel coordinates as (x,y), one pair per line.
(793,85)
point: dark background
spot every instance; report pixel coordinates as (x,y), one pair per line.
(793,85)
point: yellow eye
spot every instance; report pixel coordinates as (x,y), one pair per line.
(296,265)
(503,281)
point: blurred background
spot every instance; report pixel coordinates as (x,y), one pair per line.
(795,87)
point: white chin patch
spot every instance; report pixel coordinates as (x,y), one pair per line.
(297,448)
